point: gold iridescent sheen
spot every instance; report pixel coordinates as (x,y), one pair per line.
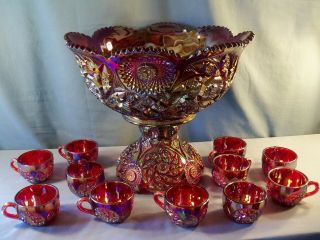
(158,77)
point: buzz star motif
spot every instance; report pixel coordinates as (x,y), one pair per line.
(32,218)
(181,218)
(219,178)
(293,198)
(34,176)
(107,215)
(85,188)
(245,215)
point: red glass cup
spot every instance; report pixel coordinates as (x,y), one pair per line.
(185,205)
(288,186)
(110,201)
(81,149)
(243,201)
(35,166)
(273,157)
(227,145)
(35,205)
(83,177)
(228,168)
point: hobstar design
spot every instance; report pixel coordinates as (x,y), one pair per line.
(158,77)
(107,215)
(246,215)
(37,176)
(179,217)
(32,218)
(81,190)
(186,217)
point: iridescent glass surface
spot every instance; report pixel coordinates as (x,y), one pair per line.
(158,77)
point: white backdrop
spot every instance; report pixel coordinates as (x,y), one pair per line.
(44,102)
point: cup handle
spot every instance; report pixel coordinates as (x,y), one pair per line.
(82,208)
(314,191)
(9,215)
(250,162)
(61,152)
(156,198)
(211,156)
(13,164)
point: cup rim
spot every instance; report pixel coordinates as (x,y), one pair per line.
(45,184)
(244,203)
(226,136)
(86,162)
(279,147)
(187,206)
(240,170)
(112,203)
(35,164)
(81,139)
(292,169)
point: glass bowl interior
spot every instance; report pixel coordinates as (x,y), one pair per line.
(84,170)
(288,177)
(36,195)
(35,157)
(231,163)
(187,196)
(81,146)
(280,154)
(245,193)
(224,143)
(112,193)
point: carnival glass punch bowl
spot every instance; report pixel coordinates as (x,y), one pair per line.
(158,77)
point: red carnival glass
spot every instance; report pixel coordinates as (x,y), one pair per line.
(227,145)
(159,77)
(185,205)
(35,205)
(79,150)
(83,177)
(273,157)
(288,186)
(243,201)
(35,166)
(111,202)
(228,168)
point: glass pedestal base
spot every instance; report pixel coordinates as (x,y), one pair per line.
(159,160)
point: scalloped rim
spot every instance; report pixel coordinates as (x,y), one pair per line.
(160,50)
